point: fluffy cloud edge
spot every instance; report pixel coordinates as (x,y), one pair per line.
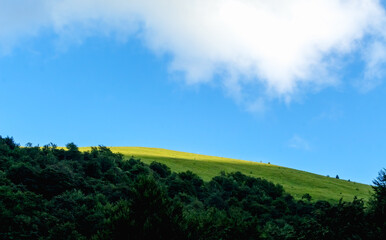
(247,44)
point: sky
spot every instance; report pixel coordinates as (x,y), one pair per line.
(297,83)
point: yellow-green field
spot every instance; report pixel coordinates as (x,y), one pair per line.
(294,181)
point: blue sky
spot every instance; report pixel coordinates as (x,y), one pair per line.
(130,74)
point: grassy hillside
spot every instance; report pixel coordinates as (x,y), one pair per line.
(294,181)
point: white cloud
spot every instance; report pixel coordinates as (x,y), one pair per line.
(280,45)
(374,73)
(19,19)
(299,143)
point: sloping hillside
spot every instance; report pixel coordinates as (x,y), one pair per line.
(294,181)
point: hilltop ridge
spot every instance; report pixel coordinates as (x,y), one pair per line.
(294,181)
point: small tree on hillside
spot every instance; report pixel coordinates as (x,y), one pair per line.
(307,197)
(337,177)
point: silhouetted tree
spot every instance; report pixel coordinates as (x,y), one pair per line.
(307,197)
(378,205)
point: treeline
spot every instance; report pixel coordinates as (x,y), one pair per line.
(52,193)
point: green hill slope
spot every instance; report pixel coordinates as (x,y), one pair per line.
(294,181)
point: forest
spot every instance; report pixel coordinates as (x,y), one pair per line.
(63,193)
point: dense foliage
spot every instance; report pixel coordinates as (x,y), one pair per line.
(52,193)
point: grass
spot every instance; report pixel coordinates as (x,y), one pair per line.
(295,182)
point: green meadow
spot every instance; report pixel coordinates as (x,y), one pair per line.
(294,181)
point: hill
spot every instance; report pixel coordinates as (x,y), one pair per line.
(62,193)
(294,181)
